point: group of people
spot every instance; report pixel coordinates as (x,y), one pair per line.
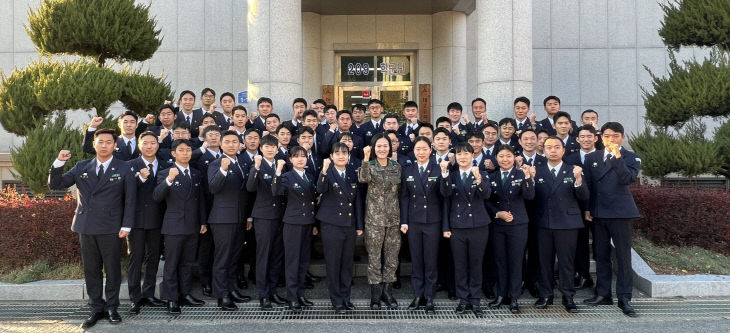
(485,207)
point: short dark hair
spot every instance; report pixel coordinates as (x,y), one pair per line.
(422,138)
(252,130)
(144,134)
(330,106)
(507,148)
(441,130)
(345,111)
(181,125)
(562,143)
(273,115)
(374,141)
(186,92)
(282,125)
(297,150)
(508,121)
(588,111)
(129,113)
(299,100)
(207,115)
(305,129)
(424,125)
(544,101)
(319,101)
(478,99)
(206,89)
(389,132)
(560,114)
(526,131)
(264,100)
(542,131)
(346,135)
(229,94)
(375,101)
(179,142)
(231,132)
(390,115)
(358,106)
(475,134)
(488,124)
(165,106)
(443,119)
(269,140)
(588,128)
(522,99)
(614,126)
(309,113)
(410,104)
(463,147)
(106,131)
(454,106)
(339,146)
(239,107)
(210,128)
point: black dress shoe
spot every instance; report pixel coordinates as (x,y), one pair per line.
(136,306)
(340,309)
(477,310)
(236,297)
(189,300)
(304,301)
(313,277)
(173,308)
(489,293)
(295,306)
(349,306)
(415,304)
(278,299)
(626,307)
(241,282)
(207,290)
(113,316)
(569,304)
(429,306)
(543,302)
(514,307)
(93,318)
(452,295)
(153,301)
(583,283)
(496,302)
(460,308)
(226,304)
(598,300)
(534,292)
(265,304)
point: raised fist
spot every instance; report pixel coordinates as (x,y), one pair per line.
(205,145)
(519,160)
(64,155)
(333,127)
(577,172)
(412,137)
(488,163)
(200,129)
(96,122)
(533,117)
(212,107)
(167,101)
(444,166)
(144,172)
(366,152)
(413,120)
(257,161)
(254,115)
(526,170)
(533,171)
(280,165)
(475,172)
(451,158)
(163,134)
(326,165)
(466,118)
(265,133)
(150,118)
(225,162)
(173,173)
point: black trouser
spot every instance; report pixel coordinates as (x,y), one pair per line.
(102,252)
(423,243)
(339,249)
(297,252)
(269,255)
(508,247)
(583,250)
(179,258)
(227,239)
(531,264)
(206,251)
(446,265)
(489,267)
(467,247)
(144,248)
(561,242)
(618,230)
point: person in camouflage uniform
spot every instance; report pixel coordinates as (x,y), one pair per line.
(382,220)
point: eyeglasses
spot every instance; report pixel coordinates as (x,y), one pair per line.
(209,96)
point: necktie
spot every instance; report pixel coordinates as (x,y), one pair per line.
(342,174)
(101,171)
(553,172)
(420,170)
(187,174)
(529,161)
(474,162)
(151,168)
(464,178)
(306,180)
(311,159)
(608,157)
(439,160)
(505,176)
(187,118)
(129,147)
(377,125)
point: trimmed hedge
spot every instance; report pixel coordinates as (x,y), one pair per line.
(684,216)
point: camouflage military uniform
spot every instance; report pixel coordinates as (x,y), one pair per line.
(382,219)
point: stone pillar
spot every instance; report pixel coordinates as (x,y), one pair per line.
(275,52)
(311,56)
(504,54)
(449,61)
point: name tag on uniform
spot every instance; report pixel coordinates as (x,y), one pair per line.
(433,179)
(267,176)
(540,180)
(567,180)
(410,179)
(296,185)
(354,185)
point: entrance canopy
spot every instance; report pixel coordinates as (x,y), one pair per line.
(386,7)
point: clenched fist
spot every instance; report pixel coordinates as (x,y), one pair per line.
(488,163)
(257,162)
(173,173)
(64,155)
(280,166)
(150,118)
(163,134)
(96,122)
(144,172)
(225,162)
(326,165)
(578,174)
(519,160)
(477,175)
(526,170)
(444,166)
(366,152)
(533,171)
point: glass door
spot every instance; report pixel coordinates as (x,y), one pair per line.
(349,96)
(394,97)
